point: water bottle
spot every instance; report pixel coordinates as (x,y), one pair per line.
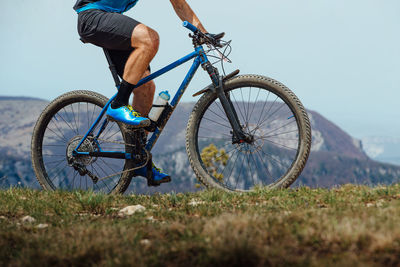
(159,105)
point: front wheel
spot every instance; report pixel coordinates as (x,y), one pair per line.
(277,126)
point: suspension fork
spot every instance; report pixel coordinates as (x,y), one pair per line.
(238,135)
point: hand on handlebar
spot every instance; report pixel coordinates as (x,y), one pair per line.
(205,38)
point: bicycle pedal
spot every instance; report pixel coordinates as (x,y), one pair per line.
(151,182)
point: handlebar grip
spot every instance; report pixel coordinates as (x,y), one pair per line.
(190,26)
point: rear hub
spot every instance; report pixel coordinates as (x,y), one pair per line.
(89,145)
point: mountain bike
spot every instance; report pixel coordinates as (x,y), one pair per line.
(244,132)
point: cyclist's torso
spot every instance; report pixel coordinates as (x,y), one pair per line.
(118,6)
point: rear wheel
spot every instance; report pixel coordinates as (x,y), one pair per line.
(277,126)
(57,133)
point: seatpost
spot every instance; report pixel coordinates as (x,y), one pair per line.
(112,67)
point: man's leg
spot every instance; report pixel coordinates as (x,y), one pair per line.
(143,96)
(145,42)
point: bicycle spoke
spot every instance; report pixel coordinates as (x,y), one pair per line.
(262,111)
(237,179)
(54,139)
(248,106)
(234,164)
(264,121)
(265,167)
(278,134)
(61,171)
(91,118)
(61,137)
(275,160)
(216,159)
(238,107)
(52,155)
(295,149)
(69,126)
(281,127)
(218,123)
(55,145)
(209,130)
(58,164)
(73,114)
(56,161)
(79,105)
(102,181)
(220,108)
(255,102)
(219,116)
(109,138)
(249,169)
(211,137)
(244,106)
(108,130)
(255,167)
(108,165)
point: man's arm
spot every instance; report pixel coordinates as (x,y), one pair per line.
(184,12)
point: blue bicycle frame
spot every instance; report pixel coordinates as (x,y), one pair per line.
(200,58)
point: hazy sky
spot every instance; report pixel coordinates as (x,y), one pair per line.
(341,58)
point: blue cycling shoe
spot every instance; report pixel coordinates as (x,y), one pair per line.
(157,176)
(127,115)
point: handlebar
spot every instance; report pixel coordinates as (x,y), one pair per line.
(190,26)
(200,38)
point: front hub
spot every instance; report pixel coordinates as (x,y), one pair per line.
(253,141)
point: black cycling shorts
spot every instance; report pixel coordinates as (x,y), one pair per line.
(112,31)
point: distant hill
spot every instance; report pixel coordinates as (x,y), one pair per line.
(383,148)
(336,157)
(19,98)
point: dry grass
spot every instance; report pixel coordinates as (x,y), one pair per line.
(350,225)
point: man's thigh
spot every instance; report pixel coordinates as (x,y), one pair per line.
(109,30)
(112,31)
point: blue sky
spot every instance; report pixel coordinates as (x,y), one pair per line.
(341,58)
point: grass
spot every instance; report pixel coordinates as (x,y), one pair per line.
(348,225)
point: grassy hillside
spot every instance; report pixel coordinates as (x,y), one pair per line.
(350,225)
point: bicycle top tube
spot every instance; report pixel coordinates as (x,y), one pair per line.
(199,51)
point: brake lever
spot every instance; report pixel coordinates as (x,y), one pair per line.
(213,39)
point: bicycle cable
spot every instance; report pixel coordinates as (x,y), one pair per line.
(222,56)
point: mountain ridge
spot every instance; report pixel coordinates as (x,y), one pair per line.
(336,157)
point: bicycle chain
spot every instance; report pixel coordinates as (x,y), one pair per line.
(129,170)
